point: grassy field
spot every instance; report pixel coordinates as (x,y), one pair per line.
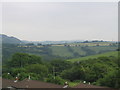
(61,51)
(64,51)
(78,50)
(113,53)
(97,49)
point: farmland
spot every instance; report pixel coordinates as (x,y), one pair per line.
(63,51)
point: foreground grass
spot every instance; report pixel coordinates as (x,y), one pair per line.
(72,84)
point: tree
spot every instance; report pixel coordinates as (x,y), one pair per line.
(110,79)
(39,69)
(23,59)
(7,76)
(56,80)
(74,73)
(60,65)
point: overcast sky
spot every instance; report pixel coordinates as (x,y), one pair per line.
(38,21)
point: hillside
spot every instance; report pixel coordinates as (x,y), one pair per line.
(80,51)
(53,52)
(107,54)
(9,40)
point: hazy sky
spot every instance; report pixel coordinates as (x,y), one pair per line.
(60,20)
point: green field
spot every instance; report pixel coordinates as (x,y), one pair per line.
(102,48)
(113,53)
(58,51)
(80,51)
(67,51)
(61,51)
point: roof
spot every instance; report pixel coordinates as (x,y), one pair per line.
(88,86)
(28,84)
(7,83)
(39,84)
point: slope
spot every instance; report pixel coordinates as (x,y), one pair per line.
(107,54)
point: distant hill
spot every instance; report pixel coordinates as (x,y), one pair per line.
(9,40)
(107,54)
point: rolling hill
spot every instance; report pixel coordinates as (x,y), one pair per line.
(107,54)
(9,40)
(53,51)
(80,51)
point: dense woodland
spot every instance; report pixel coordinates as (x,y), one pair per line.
(103,71)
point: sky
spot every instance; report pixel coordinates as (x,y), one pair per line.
(54,21)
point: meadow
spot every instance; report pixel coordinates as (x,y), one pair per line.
(107,54)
